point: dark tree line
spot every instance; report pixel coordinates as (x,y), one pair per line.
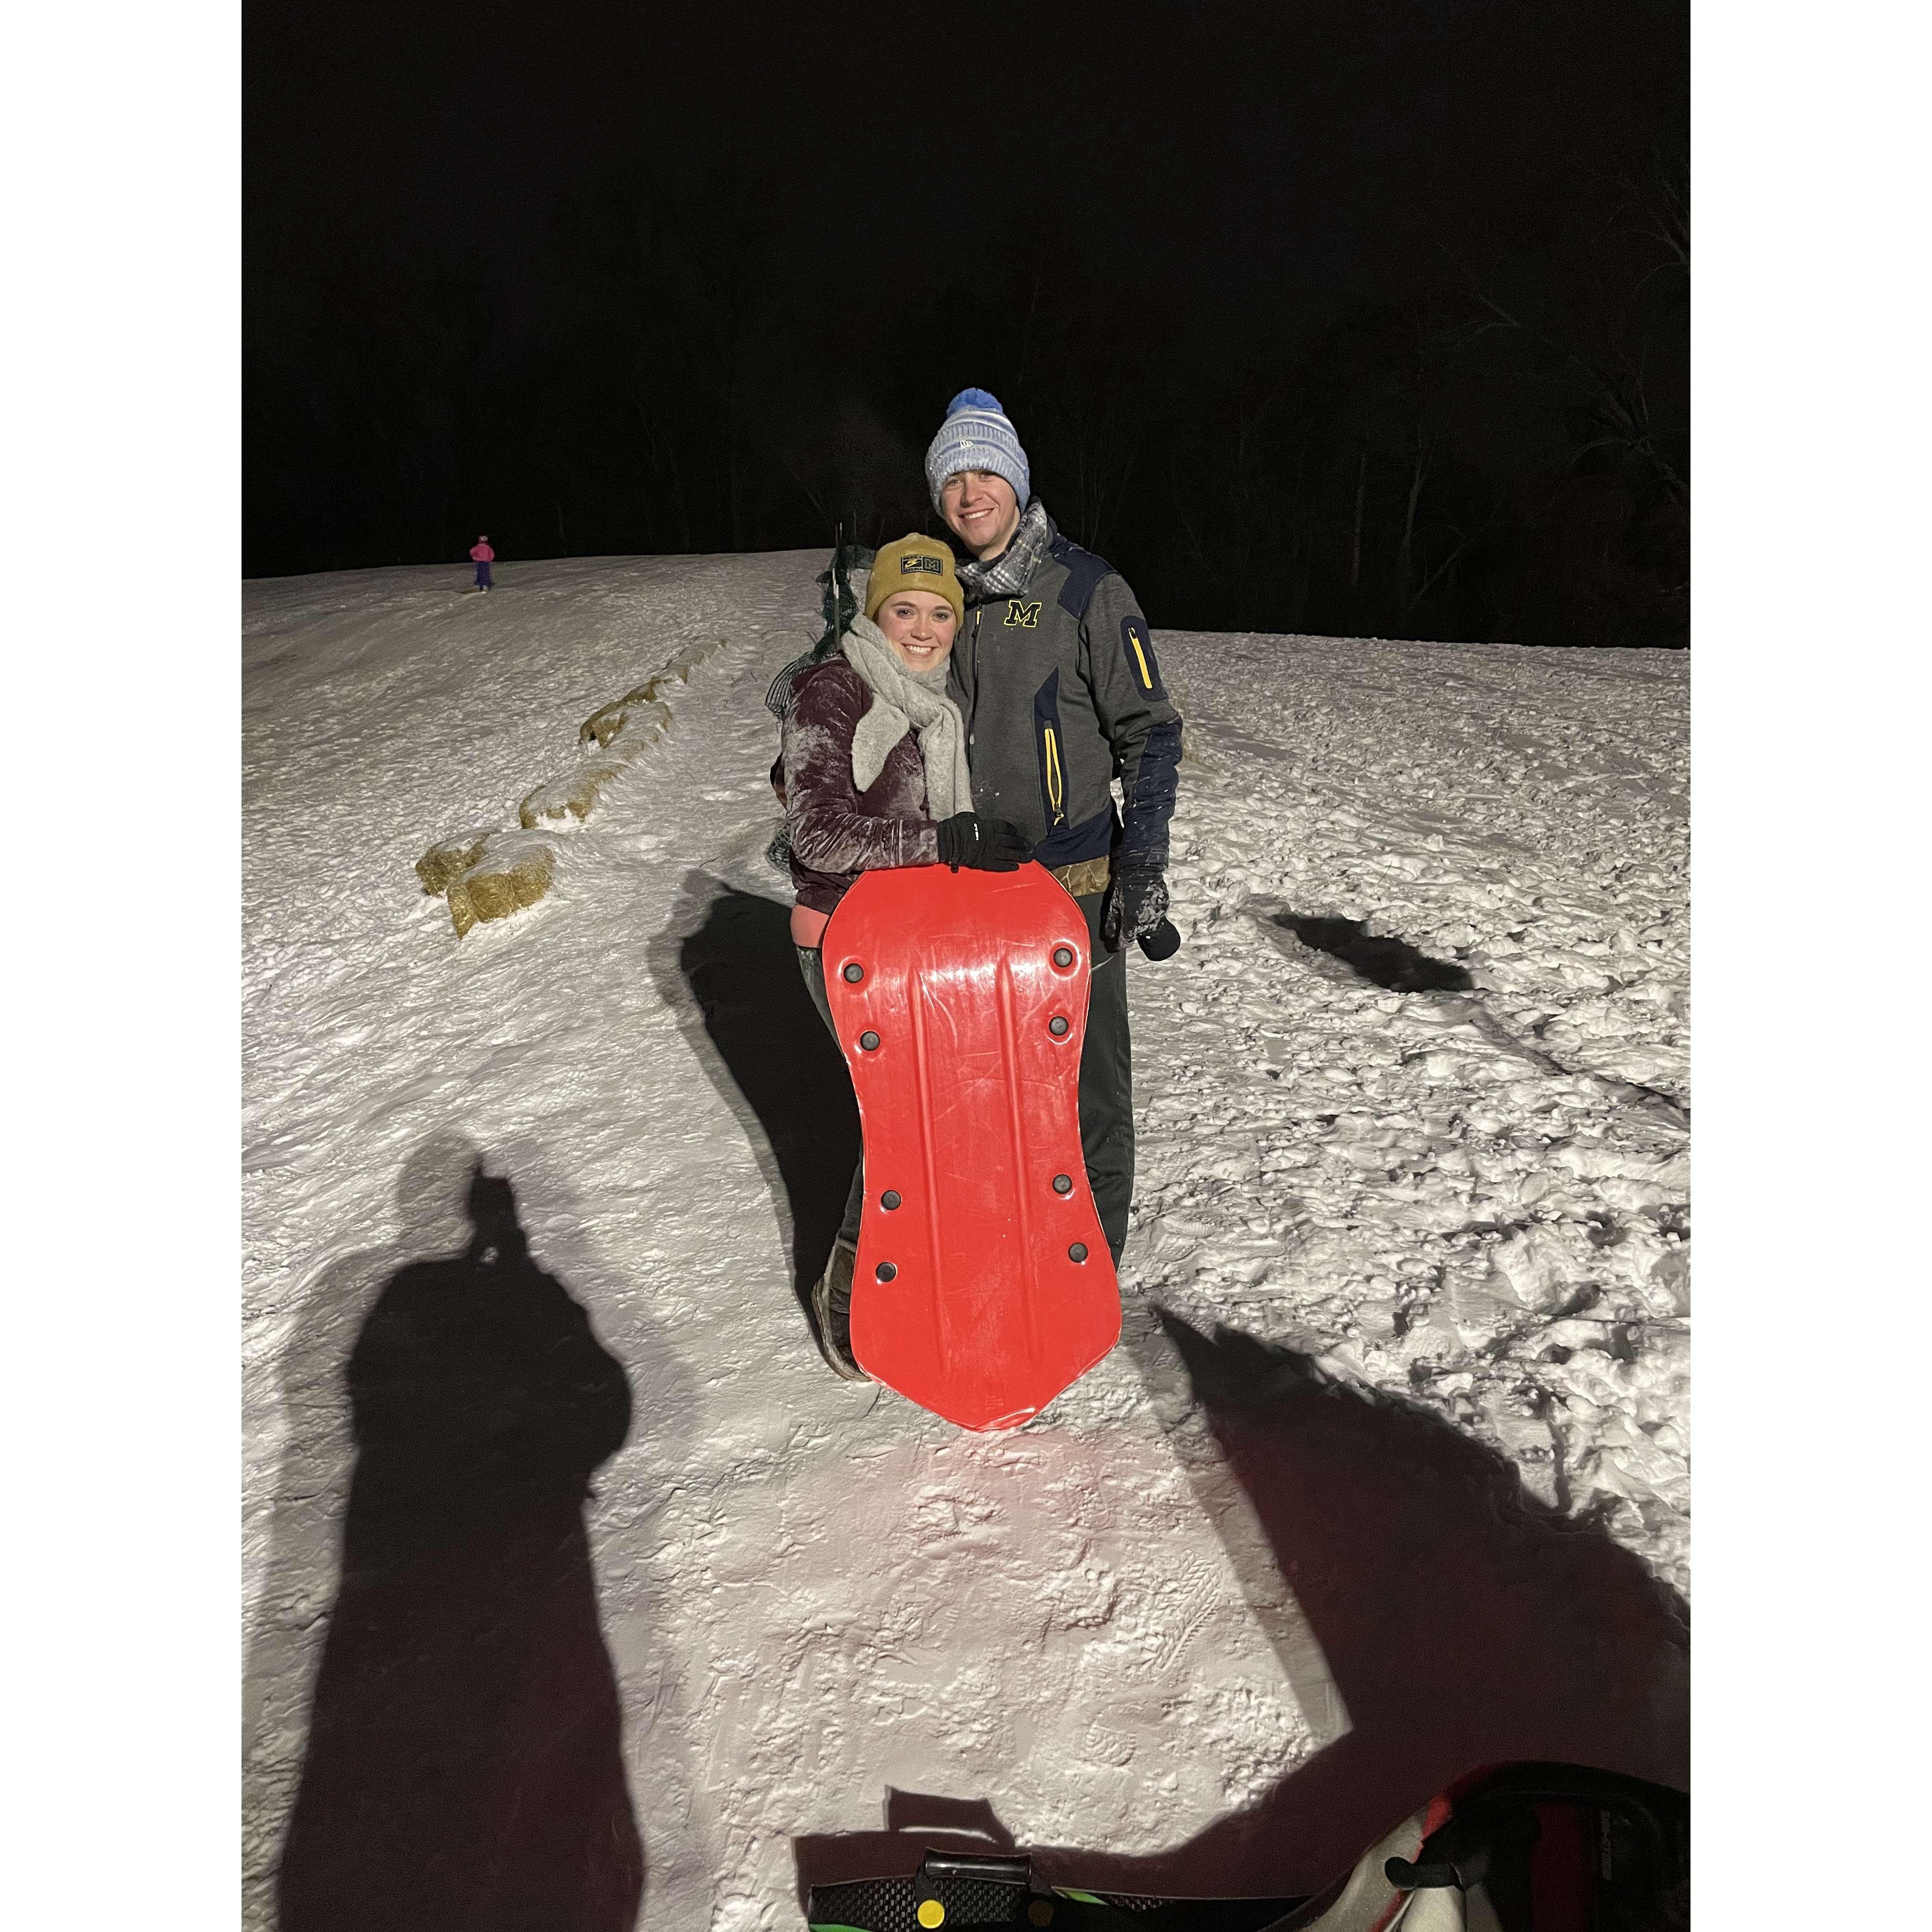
(1498,449)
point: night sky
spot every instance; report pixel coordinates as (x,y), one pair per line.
(1360,318)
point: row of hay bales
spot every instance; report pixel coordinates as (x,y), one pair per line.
(490,873)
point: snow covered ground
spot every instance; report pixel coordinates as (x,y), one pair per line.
(1455,1202)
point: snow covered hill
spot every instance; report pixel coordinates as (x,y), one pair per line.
(1392,1463)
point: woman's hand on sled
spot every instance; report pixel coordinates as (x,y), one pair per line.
(985,844)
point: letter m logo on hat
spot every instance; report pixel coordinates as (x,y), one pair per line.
(916,565)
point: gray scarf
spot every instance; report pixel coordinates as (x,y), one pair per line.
(904,701)
(1009,573)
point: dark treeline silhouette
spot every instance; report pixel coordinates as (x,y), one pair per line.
(1425,373)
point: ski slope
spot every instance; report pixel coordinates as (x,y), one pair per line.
(1192,1619)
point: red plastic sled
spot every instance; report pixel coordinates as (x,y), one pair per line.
(984,1285)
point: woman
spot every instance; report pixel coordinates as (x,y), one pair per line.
(875,769)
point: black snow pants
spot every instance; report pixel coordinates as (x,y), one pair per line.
(1107,1084)
(812,964)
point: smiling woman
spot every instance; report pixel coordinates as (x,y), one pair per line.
(920,626)
(874,775)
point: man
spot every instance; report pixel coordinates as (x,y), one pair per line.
(1054,673)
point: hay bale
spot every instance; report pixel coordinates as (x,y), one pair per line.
(570,794)
(488,875)
(515,871)
(619,718)
(621,735)
(642,728)
(447,860)
(687,660)
(605,723)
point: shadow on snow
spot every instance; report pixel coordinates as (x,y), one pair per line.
(727,967)
(1390,963)
(1463,1623)
(463,1765)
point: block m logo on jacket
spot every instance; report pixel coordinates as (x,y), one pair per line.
(1057,680)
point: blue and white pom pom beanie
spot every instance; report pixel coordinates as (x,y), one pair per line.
(977,434)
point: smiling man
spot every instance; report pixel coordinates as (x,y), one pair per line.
(1054,671)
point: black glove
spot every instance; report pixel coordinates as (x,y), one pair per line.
(986,845)
(1136,905)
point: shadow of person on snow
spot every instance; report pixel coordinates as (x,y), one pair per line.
(297,1524)
(1463,1623)
(726,965)
(464,1766)
(1383,960)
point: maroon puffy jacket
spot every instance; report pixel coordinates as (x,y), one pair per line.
(837,831)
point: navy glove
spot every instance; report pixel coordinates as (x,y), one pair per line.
(985,844)
(1136,906)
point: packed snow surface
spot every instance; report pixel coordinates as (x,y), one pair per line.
(1466,1189)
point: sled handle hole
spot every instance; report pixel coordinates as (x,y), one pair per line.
(854,973)
(1057,1026)
(886,1271)
(1062,1183)
(1077,1252)
(869,1041)
(1063,957)
(890,1199)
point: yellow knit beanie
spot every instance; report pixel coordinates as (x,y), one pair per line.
(914,563)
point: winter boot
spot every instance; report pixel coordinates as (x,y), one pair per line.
(831,1311)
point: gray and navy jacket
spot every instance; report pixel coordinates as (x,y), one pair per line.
(1061,693)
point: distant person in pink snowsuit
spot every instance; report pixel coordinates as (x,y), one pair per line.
(482,555)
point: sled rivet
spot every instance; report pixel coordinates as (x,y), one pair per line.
(886,1271)
(1077,1252)
(1062,956)
(854,973)
(1039,1912)
(1062,1183)
(931,1914)
(1057,1026)
(870,1042)
(890,1199)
